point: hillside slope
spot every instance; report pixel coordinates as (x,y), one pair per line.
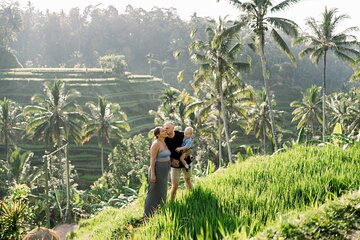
(336,219)
(136,94)
(242,199)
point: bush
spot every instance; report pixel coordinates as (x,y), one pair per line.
(15,214)
(129,160)
(116,63)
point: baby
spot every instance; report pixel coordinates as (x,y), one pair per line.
(186,145)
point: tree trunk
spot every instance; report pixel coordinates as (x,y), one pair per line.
(6,146)
(220,147)
(102,161)
(223,113)
(264,131)
(323,99)
(47,210)
(312,129)
(58,155)
(266,77)
(222,108)
(68,206)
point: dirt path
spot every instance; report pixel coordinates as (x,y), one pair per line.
(63,229)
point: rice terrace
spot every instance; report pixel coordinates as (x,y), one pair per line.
(208,119)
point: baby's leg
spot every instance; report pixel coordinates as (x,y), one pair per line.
(182,160)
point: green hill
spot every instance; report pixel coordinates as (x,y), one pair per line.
(240,201)
(136,94)
(336,219)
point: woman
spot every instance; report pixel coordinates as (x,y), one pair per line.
(158,172)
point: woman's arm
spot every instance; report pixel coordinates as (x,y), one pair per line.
(153,152)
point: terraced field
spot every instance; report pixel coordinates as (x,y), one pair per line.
(136,94)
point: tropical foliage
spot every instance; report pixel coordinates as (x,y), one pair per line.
(258,120)
(11,124)
(322,39)
(106,120)
(218,66)
(257,18)
(308,112)
(224,106)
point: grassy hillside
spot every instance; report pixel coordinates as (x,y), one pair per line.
(337,219)
(243,199)
(136,94)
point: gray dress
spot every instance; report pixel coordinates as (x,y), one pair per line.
(157,191)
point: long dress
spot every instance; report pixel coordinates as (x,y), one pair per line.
(157,191)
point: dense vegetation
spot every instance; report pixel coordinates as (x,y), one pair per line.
(242,199)
(137,94)
(337,219)
(239,84)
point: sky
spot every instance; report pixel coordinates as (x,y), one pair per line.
(212,8)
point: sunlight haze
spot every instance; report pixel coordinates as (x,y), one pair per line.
(299,12)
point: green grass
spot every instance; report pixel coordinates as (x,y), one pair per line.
(337,219)
(109,223)
(247,196)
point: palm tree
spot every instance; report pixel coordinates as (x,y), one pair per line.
(105,120)
(345,109)
(54,118)
(10,17)
(20,170)
(258,119)
(218,62)
(207,115)
(11,121)
(322,39)
(309,110)
(258,20)
(168,99)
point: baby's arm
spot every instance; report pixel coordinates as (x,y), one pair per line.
(184,148)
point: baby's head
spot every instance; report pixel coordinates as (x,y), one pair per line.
(188,132)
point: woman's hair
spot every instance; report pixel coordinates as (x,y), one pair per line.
(157,132)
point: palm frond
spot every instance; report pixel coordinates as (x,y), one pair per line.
(282,45)
(285,25)
(34,109)
(346,58)
(283,5)
(317,54)
(314,27)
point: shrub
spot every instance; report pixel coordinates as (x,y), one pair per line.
(15,214)
(116,63)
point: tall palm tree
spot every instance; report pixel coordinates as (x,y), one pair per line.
(105,120)
(11,123)
(258,19)
(258,119)
(218,64)
(309,110)
(322,39)
(206,112)
(55,117)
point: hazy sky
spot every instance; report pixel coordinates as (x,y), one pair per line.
(185,8)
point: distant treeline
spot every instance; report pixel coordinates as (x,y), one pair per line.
(149,41)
